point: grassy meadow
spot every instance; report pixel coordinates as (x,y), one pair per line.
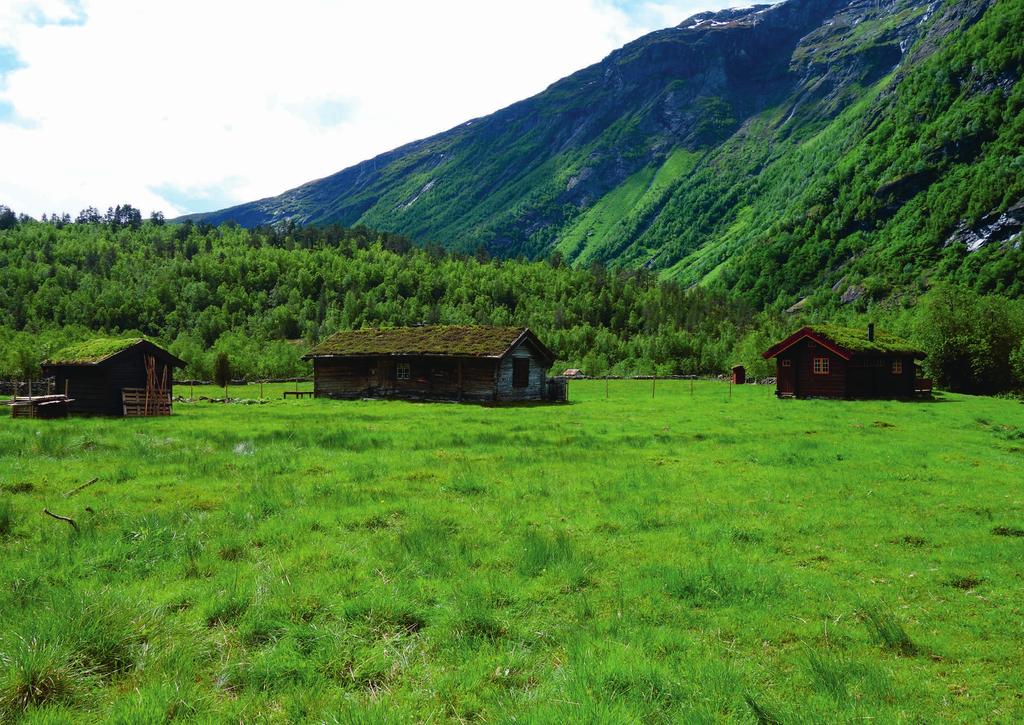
(687,558)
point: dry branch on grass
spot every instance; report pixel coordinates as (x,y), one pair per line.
(84,486)
(65,519)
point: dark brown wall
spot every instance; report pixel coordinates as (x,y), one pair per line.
(860,377)
(809,385)
(872,377)
(96,389)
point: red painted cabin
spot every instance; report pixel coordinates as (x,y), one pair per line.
(840,362)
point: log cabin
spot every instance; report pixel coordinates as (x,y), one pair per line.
(827,361)
(435,362)
(115,376)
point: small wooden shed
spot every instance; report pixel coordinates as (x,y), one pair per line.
(828,361)
(115,376)
(435,362)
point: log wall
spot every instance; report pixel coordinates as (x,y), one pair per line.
(430,378)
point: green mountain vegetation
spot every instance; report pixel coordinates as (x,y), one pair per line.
(265,296)
(815,148)
(262,297)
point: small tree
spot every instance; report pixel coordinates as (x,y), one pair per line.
(1017,363)
(222,372)
(969,339)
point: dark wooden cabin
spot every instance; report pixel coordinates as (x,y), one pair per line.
(481,364)
(127,376)
(841,362)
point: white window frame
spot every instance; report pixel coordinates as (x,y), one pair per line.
(897,367)
(822,366)
(786,363)
(403,371)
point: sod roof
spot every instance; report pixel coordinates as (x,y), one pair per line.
(855,339)
(852,340)
(442,340)
(99,349)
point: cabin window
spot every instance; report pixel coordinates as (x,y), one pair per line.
(821,366)
(402,371)
(897,367)
(787,363)
(520,372)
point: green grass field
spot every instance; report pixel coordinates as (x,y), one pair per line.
(681,559)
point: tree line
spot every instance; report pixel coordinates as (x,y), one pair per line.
(264,296)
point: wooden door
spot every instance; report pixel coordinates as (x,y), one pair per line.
(787,376)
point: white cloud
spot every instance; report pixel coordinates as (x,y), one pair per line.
(190,105)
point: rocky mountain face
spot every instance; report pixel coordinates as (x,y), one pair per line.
(774,150)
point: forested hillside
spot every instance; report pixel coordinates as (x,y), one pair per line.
(843,148)
(264,295)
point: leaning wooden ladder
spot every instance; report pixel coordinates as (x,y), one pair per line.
(154,399)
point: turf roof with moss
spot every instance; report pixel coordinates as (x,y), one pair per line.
(456,341)
(93,351)
(855,339)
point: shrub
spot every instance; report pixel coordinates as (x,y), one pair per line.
(970,339)
(37,673)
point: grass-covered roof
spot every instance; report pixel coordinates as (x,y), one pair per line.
(849,341)
(93,351)
(457,341)
(855,339)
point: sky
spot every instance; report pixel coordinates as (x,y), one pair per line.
(193,105)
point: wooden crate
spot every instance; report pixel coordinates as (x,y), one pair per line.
(40,406)
(137,403)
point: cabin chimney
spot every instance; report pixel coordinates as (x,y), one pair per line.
(871,332)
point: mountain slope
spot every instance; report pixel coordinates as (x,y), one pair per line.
(776,150)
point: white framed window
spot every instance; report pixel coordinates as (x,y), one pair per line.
(402,371)
(821,366)
(897,367)
(786,363)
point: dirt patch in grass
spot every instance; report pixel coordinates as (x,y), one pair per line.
(1008,531)
(965,582)
(19,487)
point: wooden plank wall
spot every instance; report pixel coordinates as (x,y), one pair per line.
(808,384)
(535,389)
(86,386)
(872,377)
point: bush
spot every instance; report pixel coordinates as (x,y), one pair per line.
(969,339)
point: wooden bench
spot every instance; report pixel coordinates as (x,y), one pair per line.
(298,394)
(923,387)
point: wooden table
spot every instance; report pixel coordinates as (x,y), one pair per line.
(298,394)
